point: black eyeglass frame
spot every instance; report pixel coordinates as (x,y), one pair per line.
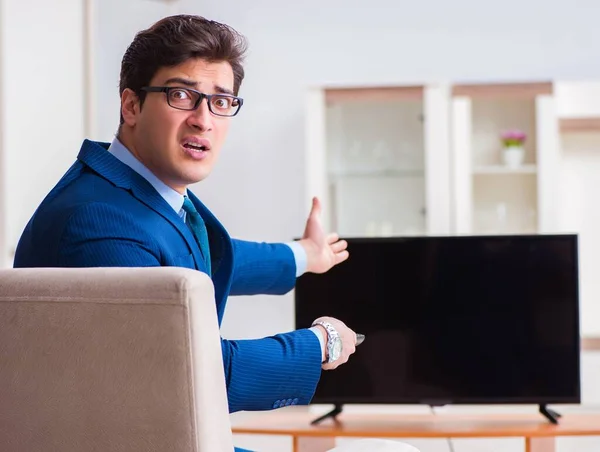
(201,97)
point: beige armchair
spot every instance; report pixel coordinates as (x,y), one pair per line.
(110,359)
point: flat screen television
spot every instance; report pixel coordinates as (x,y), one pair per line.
(452,320)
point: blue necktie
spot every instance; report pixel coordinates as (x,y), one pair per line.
(198,227)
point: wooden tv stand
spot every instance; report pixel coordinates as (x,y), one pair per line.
(539,434)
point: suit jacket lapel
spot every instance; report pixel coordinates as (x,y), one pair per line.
(96,157)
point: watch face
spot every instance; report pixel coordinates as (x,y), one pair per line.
(336,350)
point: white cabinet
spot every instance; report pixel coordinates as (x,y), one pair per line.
(428,160)
(577,98)
(378,158)
(578,108)
(491,196)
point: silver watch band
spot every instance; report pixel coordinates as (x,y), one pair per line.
(332,337)
(322,340)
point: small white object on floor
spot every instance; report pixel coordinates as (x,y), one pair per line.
(375,445)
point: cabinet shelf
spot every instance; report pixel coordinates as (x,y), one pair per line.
(483,170)
(582,124)
(382,173)
(492,197)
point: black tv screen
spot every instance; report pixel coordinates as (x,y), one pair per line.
(473,319)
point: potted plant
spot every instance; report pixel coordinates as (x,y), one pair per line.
(513,153)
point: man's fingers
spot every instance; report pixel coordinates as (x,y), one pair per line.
(341,257)
(315,208)
(332,237)
(336,247)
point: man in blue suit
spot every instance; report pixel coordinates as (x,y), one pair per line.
(127,204)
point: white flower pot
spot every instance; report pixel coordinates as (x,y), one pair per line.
(513,156)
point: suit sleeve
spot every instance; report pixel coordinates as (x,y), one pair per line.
(277,371)
(262,268)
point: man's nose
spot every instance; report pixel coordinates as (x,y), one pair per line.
(201,118)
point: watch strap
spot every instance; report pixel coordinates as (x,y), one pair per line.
(332,335)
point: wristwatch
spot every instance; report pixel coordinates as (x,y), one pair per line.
(334,342)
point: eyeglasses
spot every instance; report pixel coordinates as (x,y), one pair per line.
(190,99)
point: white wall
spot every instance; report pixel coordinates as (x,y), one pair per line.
(44,92)
(42,104)
(3,220)
(116,23)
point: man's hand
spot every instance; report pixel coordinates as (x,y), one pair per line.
(348,341)
(322,251)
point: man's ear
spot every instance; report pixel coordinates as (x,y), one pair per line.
(130,107)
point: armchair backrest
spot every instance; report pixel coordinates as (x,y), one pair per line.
(111,359)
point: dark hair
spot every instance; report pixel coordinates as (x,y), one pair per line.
(174,40)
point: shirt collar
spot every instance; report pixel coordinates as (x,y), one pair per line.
(173,198)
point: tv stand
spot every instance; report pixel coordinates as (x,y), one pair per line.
(551,415)
(537,434)
(333,413)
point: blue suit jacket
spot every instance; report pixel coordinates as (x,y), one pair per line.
(102,214)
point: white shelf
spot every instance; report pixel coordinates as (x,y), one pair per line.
(501,169)
(382,173)
(584,124)
(484,186)
(577,98)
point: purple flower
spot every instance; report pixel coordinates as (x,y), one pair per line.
(514,137)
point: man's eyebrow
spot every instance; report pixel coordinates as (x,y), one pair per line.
(182,81)
(222,90)
(193,84)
